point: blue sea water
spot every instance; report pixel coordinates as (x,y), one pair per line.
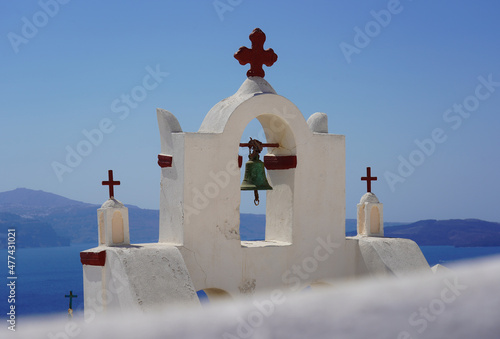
(46,275)
(448,254)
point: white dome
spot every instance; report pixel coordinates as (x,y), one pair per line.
(216,118)
(369,197)
(112,203)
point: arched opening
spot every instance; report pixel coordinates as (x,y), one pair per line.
(374,220)
(117,231)
(209,295)
(277,203)
(252,218)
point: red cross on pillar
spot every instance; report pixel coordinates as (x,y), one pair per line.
(256,56)
(369,179)
(111,184)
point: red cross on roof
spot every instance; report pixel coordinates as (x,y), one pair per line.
(111,184)
(256,56)
(369,179)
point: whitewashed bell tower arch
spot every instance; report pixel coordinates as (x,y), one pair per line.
(200,186)
(282,123)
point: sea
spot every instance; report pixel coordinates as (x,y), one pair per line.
(45,276)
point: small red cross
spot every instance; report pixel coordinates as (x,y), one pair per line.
(111,184)
(369,179)
(256,56)
(71,296)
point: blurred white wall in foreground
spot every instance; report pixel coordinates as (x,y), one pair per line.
(461,303)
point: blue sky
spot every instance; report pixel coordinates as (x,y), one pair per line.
(428,75)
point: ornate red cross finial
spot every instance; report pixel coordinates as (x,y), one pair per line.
(111,184)
(369,179)
(256,56)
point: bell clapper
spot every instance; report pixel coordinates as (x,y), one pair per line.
(256,200)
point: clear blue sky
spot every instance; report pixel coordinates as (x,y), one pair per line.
(66,71)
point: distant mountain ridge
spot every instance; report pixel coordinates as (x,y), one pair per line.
(45,219)
(27,202)
(70,220)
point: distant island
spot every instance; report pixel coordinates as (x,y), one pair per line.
(45,219)
(454,232)
(29,232)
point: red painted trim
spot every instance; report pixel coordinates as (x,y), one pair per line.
(164,160)
(280,162)
(93,258)
(240,161)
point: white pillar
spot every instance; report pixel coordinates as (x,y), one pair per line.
(112,219)
(370,216)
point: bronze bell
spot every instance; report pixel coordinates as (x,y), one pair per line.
(255,174)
